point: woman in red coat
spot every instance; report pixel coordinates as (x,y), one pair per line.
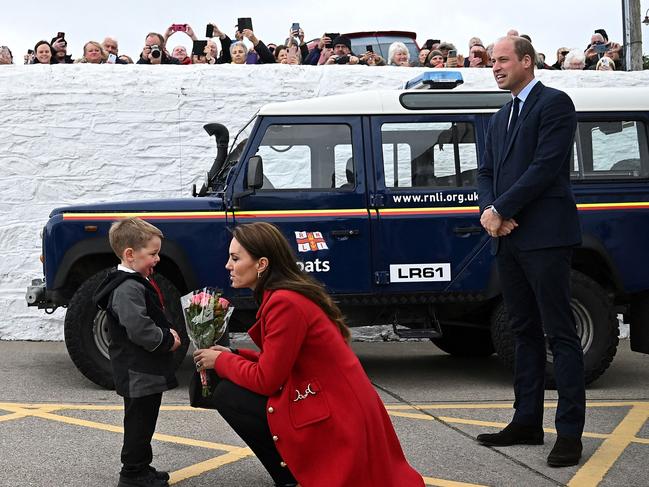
(303,403)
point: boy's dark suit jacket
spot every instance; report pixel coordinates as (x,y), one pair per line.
(526,176)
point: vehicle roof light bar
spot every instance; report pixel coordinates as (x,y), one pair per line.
(435,80)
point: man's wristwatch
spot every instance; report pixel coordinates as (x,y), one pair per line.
(492,209)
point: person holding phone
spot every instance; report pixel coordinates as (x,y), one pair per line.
(595,50)
(263,54)
(314,55)
(59,48)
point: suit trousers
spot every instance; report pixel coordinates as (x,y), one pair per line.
(536,291)
(245,412)
(140,417)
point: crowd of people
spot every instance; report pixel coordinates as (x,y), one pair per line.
(246,48)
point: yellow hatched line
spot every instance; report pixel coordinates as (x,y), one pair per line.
(448,483)
(44,413)
(600,462)
(506,405)
(12,416)
(211,464)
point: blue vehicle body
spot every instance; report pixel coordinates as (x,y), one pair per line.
(393,241)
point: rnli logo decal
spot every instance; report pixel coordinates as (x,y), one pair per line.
(310,241)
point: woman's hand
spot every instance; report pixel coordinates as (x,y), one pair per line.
(205,358)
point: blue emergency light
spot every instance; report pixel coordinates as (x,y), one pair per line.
(436,80)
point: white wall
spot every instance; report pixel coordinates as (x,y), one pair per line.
(81,134)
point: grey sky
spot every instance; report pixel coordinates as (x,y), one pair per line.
(551,23)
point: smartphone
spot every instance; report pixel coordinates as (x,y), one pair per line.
(369,48)
(60,35)
(295,27)
(198,48)
(179,27)
(600,48)
(30,51)
(209,31)
(429,44)
(452,53)
(331,36)
(111,59)
(244,23)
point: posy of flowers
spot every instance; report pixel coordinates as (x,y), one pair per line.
(206,318)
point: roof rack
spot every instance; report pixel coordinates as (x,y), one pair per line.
(435,80)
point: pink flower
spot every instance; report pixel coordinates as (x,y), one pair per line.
(224,303)
(201,299)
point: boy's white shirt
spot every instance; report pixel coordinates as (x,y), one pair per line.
(121,267)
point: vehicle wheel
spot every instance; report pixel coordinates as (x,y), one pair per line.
(465,342)
(597,327)
(86,330)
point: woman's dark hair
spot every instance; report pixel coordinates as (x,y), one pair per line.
(278,50)
(261,239)
(40,43)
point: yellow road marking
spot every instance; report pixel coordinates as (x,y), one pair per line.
(447,483)
(211,464)
(590,474)
(594,470)
(9,417)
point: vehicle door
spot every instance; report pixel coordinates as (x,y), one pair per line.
(427,227)
(314,190)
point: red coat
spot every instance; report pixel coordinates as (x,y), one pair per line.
(332,428)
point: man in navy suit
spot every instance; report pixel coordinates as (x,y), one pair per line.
(528,208)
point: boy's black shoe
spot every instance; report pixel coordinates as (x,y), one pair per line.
(565,452)
(147,479)
(513,434)
(160,475)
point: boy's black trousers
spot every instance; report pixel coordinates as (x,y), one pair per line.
(140,417)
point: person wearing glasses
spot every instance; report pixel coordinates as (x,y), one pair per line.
(562,52)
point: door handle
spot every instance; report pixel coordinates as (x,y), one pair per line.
(467,230)
(345,234)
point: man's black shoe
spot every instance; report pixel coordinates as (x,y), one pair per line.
(145,480)
(513,434)
(565,452)
(158,474)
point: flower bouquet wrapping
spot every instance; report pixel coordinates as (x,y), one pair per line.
(206,318)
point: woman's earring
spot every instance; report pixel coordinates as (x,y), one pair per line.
(258,275)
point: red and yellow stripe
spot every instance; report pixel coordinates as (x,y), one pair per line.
(332,213)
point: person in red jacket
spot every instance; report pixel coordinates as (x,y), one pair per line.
(303,403)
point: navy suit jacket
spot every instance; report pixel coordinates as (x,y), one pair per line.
(527,176)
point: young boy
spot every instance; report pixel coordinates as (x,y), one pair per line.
(141,342)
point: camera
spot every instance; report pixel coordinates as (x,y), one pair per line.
(342,60)
(155,51)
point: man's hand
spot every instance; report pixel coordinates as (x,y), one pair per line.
(59,45)
(176,344)
(507,227)
(250,35)
(324,40)
(353,60)
(491,222)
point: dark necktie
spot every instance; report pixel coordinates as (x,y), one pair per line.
(515,110)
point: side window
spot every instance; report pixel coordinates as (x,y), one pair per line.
(611,150)
(307,156)
(429,154)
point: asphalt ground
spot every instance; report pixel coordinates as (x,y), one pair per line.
(59,429)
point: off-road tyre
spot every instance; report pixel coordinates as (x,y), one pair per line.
(597,326)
